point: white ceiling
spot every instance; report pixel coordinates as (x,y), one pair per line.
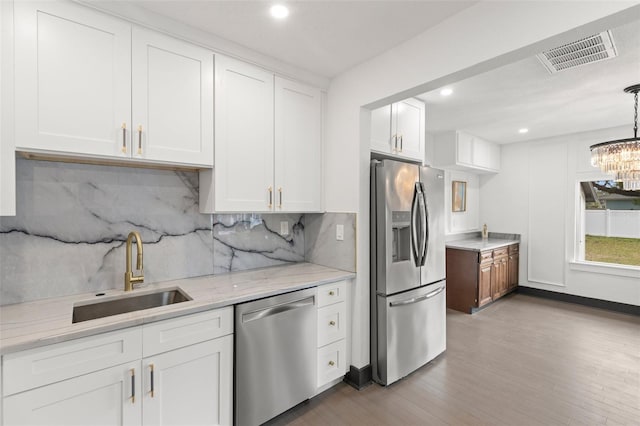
(325,37)
(329,37)
(494,105)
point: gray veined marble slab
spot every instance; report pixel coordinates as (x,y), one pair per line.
(42,322)
(249,241)
(73,219)
(321,246)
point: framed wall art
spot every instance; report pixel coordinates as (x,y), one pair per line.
(459,196)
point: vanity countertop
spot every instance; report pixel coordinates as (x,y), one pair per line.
(42,322)
(478,244)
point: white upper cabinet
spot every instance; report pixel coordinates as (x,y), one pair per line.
(86,86)
(244,137)
(459,150)
(268,144)
(72,79)
(398,129)
(298,153)
(172,83)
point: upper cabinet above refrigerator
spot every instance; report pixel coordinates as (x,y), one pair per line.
(397,130)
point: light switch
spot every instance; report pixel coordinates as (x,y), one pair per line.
(284,228)
(340,232)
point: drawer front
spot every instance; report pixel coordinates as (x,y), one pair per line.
(41,366)
(175,333)
(332,361)
(514,248)
(486,256)
(332,293)
(332,324)
(501,252)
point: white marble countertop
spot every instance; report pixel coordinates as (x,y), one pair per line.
(47,321)
(478,244)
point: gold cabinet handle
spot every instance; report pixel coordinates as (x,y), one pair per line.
(331,293)
(140,139)
(124,138)
(395,142)
(133,385)
(280,194)
(152,377)
(331,363)
(400,143)
(332,323)
(270,189)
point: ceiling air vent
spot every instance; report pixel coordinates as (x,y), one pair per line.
(591,49)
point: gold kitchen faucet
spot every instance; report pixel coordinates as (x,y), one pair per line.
(129,278)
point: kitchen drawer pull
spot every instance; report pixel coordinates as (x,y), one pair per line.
(417,299)
(133,385)
(152,384)
(124,138)
(140,139)
(332,323)
(332,363)
(332,293)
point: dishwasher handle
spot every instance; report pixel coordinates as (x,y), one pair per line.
(276,309)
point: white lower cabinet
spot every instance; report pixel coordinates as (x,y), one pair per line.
(100,398)
(191,384)
(332,332)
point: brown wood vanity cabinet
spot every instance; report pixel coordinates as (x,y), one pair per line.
(476,278)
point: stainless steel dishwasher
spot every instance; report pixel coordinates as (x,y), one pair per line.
(275,355)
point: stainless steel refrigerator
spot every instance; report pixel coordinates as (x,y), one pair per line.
(408,287)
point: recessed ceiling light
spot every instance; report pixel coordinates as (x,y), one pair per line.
(446,91)
(279,11)
(523,130)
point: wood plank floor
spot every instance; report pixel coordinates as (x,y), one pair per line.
(520,361)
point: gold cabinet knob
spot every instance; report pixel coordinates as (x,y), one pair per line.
(332,293)
(332,323)
(331,363)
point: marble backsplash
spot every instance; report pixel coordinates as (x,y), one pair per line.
(72,222)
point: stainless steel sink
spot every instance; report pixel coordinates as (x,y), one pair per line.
(128,304)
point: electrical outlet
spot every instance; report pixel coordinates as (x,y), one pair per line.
(340,232)
(284,228)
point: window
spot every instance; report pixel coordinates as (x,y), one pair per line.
(610,229)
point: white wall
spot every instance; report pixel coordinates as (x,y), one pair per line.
(485,36)
(537,195)
(468,220)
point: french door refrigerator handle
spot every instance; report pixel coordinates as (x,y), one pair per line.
(424,217)
(414,231)
(417,299)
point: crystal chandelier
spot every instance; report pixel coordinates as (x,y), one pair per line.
(621,157)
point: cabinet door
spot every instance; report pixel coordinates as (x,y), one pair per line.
(191,386)
(100,398)
(381,130)
(464,149)
(499,278)
(481,153)
(513,271)
(484,284)
(298,150)
(243,137)
(72,80)
(172,83)
(409,128)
